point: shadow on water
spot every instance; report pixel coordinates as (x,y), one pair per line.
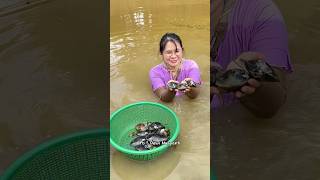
(52,72)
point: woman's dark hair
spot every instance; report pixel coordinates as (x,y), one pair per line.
(172,37)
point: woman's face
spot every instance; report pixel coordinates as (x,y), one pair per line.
(172,54)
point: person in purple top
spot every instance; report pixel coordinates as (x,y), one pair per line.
(174,68)
(249,30)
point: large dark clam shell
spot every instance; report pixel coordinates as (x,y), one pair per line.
(141,127)
(140,140)
(155,126)
(154,134)
(156,139)
(261,70)
(191,83)
(173,85)
(232,79)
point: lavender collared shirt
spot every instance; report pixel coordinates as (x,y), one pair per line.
(159,75)
(254,25)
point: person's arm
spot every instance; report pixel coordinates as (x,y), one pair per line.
(192,92)
(194,75)
(264,98)
(159,87)
(165,94)
(269,37)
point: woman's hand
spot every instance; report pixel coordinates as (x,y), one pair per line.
(188,88)
(172,89)
(191,92)
(262,98)
(252,84)
(248,89)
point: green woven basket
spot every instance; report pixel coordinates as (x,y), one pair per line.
(123,121)
(82,155)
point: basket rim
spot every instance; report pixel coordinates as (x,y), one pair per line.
(54,141)
(152,151)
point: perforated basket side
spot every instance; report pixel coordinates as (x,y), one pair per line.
(80,155)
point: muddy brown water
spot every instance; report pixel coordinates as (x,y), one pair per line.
(52,72)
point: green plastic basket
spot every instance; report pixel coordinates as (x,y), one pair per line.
(81,155)
(123,121)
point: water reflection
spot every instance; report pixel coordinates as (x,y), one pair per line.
(138,17)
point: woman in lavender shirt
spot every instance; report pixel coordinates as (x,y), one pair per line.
(174,68)
(248,30)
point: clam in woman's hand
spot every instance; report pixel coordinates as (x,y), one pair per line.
(173,85)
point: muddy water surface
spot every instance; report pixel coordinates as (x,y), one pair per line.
(52,71)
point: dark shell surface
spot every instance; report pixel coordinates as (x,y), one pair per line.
(154,134)
(233,79)
(173,85)
(261,70)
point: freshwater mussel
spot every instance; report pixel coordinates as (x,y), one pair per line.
(261,70)
(173,85)
(182,85)
(149,135)
(234,79)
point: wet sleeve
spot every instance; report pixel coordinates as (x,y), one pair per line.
(156,79)
(270,36)
(194,72)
